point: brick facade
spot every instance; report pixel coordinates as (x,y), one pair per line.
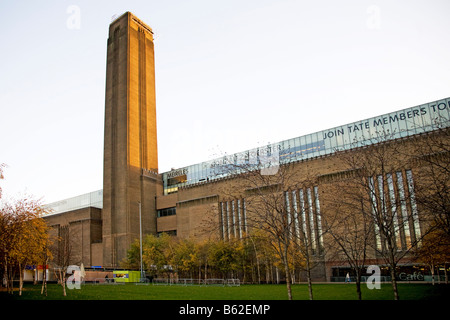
(208,208)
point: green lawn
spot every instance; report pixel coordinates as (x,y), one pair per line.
(244,292)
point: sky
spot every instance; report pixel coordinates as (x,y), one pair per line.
(230,76)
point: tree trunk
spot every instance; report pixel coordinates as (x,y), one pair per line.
(445,273)
(438,275)
(258,269)
(5,275)
(9,277)
(358,284)
(44,279)
(358,289)
(308,276)
(20,279)
(277,274)
(62,278)
(432,273)
(288,279)
(394,284)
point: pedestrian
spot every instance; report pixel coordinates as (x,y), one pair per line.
(347,277)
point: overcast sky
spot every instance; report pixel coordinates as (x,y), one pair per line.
(230,76)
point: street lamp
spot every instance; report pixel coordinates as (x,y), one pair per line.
(140,239)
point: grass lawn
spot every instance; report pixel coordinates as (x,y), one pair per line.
(244,292)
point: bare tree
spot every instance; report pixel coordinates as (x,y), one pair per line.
(307,230)
(349,223)
(45,257)
(267,211)
(264,187)
(64,253)
(431,152)
(384,179)
(280,204)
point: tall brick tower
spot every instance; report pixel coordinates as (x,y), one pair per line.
(130,145)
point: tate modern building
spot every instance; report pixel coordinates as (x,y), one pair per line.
(192,202)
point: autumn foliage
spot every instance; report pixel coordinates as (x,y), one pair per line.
(23,239)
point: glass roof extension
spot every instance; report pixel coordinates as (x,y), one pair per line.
(410,121)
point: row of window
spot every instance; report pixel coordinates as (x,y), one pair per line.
(303,206)
(303,214)
(393,195)
(167,212)
(233,219)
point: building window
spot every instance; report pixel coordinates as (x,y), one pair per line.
(239,217)
(288,208)
(303,216)
(392,200)
(227,205)
(311,219)
(394,208)
(318,216)
(375,215)
(233,214)
(412,197)
(403,208)
(222,219)
(244,212)
(307,224)
(296,220)
(167,212)
(233,219)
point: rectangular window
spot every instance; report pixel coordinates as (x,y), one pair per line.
(404,211)
(303,215)
(318,216)
(311,219)
(375,212)
(244,211)
(307,220)
(415,214)
(233,212)
(176,180)
(222,219)
(239,217)
(381,196)
(167,212)
(296,222)
(227,206)
(395,222)
(392,209)
(288,208)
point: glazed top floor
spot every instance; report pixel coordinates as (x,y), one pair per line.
(410,121)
